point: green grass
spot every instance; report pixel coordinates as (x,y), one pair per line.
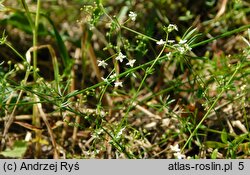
(171,83)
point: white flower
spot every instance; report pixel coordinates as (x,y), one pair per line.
(120,57)
(175,148)
(182,41)
(161,42)
(172,27)
(102,63)
(118,83)
(181,49)
(187,47)
(131,63)
(178,155)
(113,76)
(171,41)
(132,16)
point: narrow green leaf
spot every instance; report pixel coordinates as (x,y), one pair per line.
(214,144)
(18,20)
(239,139)
(189,33)
(229,33)
(223,136)
(67,62)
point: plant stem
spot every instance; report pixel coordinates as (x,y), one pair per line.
(221,36)
(138,33)
(35,117)
(35,34)
(211,108)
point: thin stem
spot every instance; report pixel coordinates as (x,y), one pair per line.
(28,14)
(16,52)
(12,116)
(211,108)
(35,119)
(138,33)
(161,58)
(148,71)
(221,36)
(35,34)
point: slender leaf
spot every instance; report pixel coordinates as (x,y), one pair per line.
(214,144)
(224,136)
(67,62)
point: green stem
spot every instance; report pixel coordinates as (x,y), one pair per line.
(211,108)
(35,118)
(16,52)
(118,76)
(221,36)
(35,34)
(161,58)
(28,14)
(148,71)
(138,33)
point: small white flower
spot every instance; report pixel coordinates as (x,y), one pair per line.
(181,49)
(102,63)
(161,42)
(182,41)
(171,41)
(178,155)
(113,76)
(132,16)
(172,27)
(187,47)
(120,57)
(175,148)
(118,83)
(131,63)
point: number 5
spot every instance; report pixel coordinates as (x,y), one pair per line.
(241,166)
